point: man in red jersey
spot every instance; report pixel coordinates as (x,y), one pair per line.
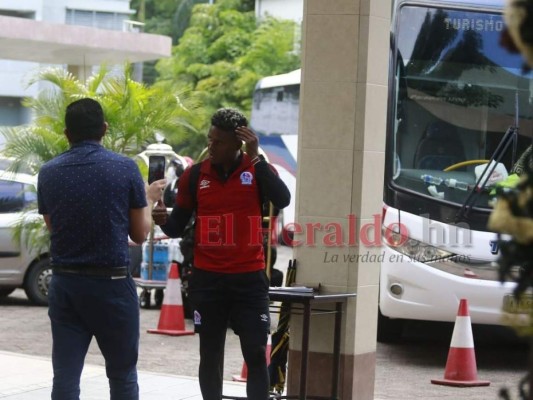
(228,283)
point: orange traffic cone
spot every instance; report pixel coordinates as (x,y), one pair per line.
(243,376)
(244,371)
(171,319)
(461,369)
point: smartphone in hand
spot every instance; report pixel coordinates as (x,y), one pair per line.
(156,168)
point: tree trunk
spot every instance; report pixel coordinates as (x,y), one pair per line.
(142,11)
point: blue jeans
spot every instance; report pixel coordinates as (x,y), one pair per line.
(108,309)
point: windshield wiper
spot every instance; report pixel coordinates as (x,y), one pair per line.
(510,137)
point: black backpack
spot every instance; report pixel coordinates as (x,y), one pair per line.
(187,239)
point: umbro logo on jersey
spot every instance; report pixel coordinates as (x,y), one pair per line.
(264,317)
(204,184)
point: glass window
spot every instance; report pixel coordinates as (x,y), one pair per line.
(30,195)
(12,111)
(18,14)
(11,196)
(457,93)
(275,110)
(96,19)
(80,17)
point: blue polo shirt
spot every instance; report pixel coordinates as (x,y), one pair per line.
(88,192)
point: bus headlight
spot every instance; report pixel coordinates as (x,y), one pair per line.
(421,252)
(414,249)
(411,248)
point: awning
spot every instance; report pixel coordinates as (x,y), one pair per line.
(29,40)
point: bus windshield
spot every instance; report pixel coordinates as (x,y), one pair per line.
(456,94)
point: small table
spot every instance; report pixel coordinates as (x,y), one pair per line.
(307,299)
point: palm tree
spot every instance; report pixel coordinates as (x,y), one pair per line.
(133,111)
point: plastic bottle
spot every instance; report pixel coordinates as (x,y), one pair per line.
(455,184)
(432,180)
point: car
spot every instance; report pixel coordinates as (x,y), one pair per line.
(21,265)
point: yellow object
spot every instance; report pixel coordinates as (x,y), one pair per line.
(510,182)
(502,220)
(465,164)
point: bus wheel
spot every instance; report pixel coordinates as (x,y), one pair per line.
(390,330)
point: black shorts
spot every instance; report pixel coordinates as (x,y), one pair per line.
(240,300)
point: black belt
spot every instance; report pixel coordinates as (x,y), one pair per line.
(91,271)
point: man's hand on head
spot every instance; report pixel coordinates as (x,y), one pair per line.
(250,139)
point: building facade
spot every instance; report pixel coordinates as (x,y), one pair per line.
(286,9)
(14,74)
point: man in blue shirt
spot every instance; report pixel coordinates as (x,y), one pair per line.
(91,200)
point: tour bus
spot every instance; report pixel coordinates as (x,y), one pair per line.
(274,118)
(457,100)
(455,97)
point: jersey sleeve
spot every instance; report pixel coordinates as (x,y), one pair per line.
(272,187)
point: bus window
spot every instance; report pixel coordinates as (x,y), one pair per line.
(457,92)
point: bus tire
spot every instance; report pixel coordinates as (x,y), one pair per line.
(390,330)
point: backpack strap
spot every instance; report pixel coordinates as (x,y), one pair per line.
(194,177)
(187,240)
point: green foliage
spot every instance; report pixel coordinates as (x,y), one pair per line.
(224,52)
(163,17)
(133,111)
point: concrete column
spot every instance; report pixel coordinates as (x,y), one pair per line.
(82,72)
(340,183)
